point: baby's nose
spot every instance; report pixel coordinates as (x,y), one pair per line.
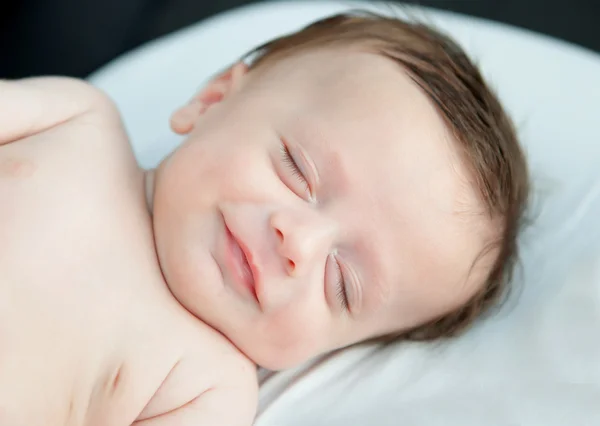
(302,239)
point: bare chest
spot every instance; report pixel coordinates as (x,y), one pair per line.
(78,277)
(72,220)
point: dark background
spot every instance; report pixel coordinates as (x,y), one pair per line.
(75,37)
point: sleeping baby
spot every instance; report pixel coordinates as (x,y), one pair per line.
(355,181)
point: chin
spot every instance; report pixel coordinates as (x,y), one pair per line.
(276,358)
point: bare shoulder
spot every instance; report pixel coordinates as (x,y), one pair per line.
(75,95)
(47,106)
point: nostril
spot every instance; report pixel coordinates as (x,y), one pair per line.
(291,266)
(279,234)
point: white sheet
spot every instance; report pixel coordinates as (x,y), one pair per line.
(537,362)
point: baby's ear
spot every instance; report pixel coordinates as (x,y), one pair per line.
(184,118)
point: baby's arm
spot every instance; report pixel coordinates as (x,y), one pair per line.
(232,404)
(33,105)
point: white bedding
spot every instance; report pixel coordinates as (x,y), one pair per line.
(536,362)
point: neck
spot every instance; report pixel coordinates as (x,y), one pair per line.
(149,187)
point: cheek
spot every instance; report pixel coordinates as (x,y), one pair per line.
(234,172)
(185,266)
(181,247)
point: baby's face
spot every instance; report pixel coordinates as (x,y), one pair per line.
(320,203)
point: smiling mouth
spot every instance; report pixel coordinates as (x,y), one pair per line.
(239,263)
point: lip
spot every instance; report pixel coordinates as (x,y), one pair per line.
(243,271)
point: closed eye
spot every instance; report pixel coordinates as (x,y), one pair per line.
(342,292)
(292,165)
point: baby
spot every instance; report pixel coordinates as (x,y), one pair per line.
(354,181)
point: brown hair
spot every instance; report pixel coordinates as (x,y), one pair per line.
(474,116)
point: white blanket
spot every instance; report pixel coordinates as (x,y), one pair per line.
(537,361)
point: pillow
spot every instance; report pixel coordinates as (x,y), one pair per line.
(534,362)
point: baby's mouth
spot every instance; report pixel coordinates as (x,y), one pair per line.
(239,262)
(246,270)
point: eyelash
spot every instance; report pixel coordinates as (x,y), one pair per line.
(293,166)
(342,294)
